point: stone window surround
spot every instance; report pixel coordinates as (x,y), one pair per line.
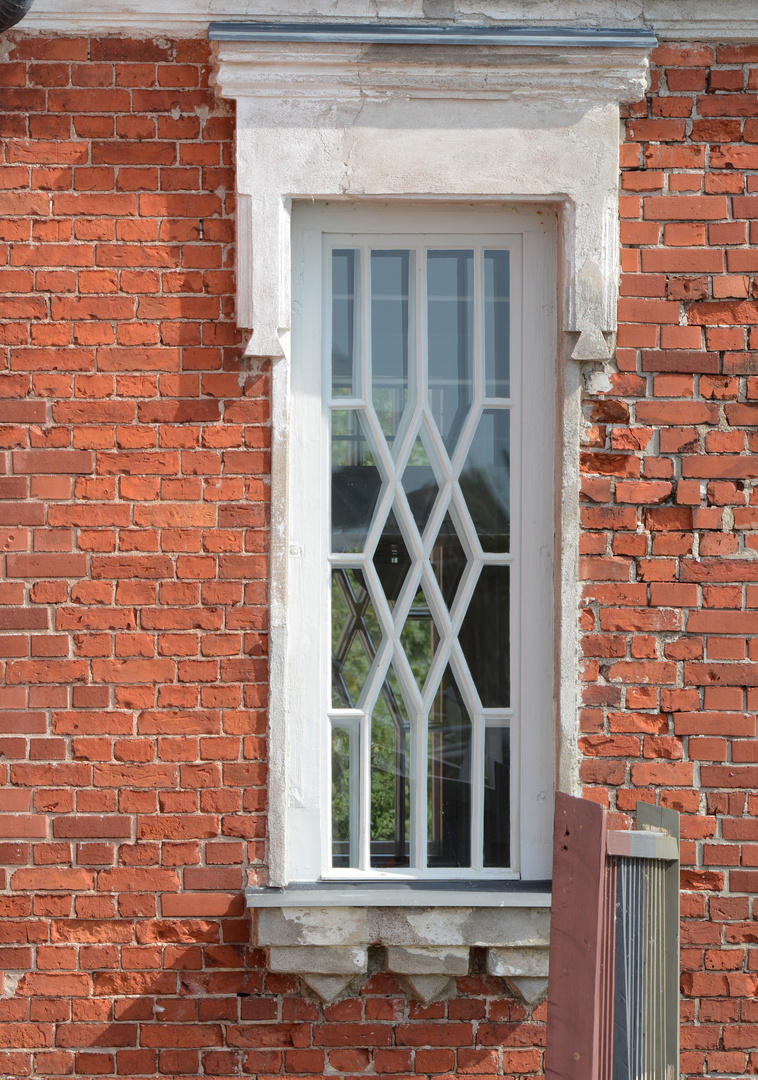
(357,121)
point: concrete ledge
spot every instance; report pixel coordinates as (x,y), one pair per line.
(427,948)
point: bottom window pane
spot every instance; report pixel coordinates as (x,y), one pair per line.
(497,797)
(449,781)
(485,637)
(390,779)
(344,812)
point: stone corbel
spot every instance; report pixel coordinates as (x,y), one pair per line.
(524,970)
(426,948)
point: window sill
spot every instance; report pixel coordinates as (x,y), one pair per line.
(322,932)
(475,894)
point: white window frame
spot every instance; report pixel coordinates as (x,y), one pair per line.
(531,233)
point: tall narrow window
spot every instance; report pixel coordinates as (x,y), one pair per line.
(432,518)
(421,555)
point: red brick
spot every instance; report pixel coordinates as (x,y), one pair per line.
(687,208)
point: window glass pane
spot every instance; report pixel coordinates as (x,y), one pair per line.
(449,781)
(390,778)
(345,269)
(497,323)
(390,276)
(448,560)
(450,299)
(355,637)
(344,823)
(419,637)
(497,796)
(486,480)
(391,559)
(356,482)
(483,480)
(485,637)
(419,484)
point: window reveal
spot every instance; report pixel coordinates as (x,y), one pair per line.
(421,556)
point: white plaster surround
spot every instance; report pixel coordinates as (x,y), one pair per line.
(355,121)
(492,123)
(679,20)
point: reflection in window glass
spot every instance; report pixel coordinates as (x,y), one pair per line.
(485,637)
(497,796)
(448,560)
(390,778)
(390,272)
(342,798)
(497,323)
(391,559)
(344,324)
(419,637)
(449,781)
(419,484)
(355,637)
(486,480)
(355,482)
(450,299)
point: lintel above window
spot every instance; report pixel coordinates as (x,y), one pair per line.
(506,118)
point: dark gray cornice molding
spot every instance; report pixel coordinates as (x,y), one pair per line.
(451,34)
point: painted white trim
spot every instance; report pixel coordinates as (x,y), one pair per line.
(684,20)
(372,895)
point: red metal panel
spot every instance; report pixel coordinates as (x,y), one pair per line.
(576,937)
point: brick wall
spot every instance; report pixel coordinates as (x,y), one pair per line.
(133,476)
(670,516)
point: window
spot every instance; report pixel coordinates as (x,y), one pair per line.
(421,491)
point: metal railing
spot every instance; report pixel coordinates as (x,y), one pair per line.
(613,992)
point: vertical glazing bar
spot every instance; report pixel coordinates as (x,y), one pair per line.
(419,733)
(364,797)
(355,798)
(364,307)
(364,739)
(479,343)
(478,734)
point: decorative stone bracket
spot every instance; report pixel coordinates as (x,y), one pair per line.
(427,948)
